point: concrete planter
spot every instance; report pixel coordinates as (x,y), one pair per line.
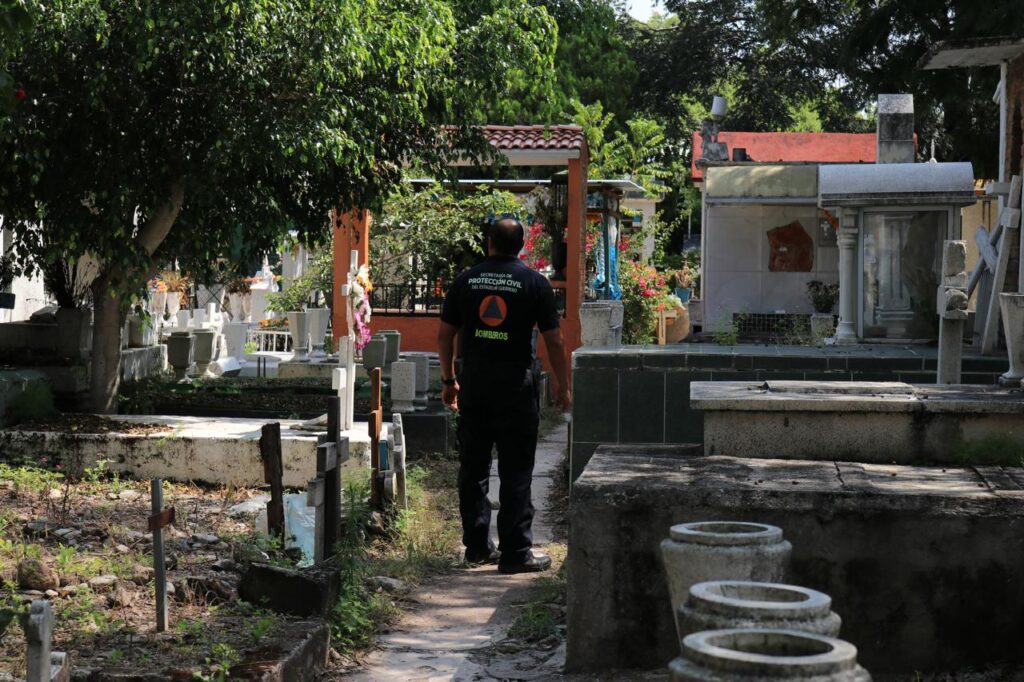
(74,332)
(204,350)
(394,349)
(140,332)
(721,550)
(298,326)
(375,353)
(601,323)
(180,350)
(757,655)
(318,321)
(823,325)
(235,334)
(173,304)
(732,604)
(1012,307)
(235,307)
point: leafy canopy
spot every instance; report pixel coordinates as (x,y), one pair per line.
(258,116)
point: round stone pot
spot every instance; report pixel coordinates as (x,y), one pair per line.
(180,349)
(722,550)
(731,604)
(204,350)
(298,326)
(759,655)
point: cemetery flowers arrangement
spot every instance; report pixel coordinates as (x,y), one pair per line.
(537,247)
(275,323)
(361,289)
(157,286)
(823,296)
(644,293)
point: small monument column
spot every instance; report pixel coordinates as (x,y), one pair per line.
(846,331)
(951,303)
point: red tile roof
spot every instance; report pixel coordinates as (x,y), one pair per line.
(535,137)
(795,147)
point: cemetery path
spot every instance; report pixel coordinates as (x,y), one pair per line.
(457,631)
(458,615)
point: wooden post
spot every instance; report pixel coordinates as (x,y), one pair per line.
(374,425)
(159,519)
(273,471)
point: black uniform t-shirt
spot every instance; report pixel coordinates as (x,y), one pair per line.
(496,305)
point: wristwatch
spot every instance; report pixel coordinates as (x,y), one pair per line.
(448,382)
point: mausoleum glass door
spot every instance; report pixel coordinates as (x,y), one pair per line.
(901,253)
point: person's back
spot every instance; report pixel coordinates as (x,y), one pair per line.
(493,307)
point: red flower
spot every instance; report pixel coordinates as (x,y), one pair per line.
(20,93)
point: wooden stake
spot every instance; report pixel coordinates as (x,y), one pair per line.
(273,471)
(159,519)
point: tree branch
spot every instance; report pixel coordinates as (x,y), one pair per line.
(155,230)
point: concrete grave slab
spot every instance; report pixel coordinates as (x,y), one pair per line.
(220,450)
(855,421)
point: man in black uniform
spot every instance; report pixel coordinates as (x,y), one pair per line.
(493,307)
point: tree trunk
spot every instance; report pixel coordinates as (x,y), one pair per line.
(105,363)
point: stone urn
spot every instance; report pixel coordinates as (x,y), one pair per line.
(205,339)
(319,318)
(394,338)
(731,604)
(173,303)
(298,326)
(375,352)
(1012,308)
(180,351)
(158,304)
(721,550)
(246,308)
(235,307)
(757,655)
(601,323)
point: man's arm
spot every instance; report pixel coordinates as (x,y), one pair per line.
(446,351)
(555,345)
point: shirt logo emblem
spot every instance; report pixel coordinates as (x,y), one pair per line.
(493,311)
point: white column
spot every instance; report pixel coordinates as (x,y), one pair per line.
(846,332)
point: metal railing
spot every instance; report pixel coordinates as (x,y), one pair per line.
(270,340)
(407,299)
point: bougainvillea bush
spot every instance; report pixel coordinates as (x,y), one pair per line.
(644,293)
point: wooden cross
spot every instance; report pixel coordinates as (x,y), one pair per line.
(273,471)
(160,519)
(324,491)
(992,266)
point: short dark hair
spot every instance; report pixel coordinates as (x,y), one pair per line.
(507,236)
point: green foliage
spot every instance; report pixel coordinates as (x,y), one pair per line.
(433,232)
(644,293)
(992,450)
(636,152)
(191,130)
(15,22)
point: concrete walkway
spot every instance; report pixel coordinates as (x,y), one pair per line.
(461,613)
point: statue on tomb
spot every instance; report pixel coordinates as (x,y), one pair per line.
(710,148)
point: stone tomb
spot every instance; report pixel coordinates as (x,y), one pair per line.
(220,451)
(855,421)
(922,563)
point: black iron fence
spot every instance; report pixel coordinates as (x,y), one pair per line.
(407,299)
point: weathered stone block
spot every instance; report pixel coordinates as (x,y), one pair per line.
(309,592)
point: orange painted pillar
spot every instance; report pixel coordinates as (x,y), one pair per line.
(351,231)
(576,238)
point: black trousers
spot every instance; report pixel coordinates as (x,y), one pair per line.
(505,418)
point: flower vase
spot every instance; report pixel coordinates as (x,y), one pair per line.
(246,307)
(318,319)
(235,305)
(173,304)
(298,326)
(158,303)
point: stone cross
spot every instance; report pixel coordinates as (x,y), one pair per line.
(951,303)
(347,348)
(159,519)
(403,386)
(43,665)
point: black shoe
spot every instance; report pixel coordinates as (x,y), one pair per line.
(488,556)
(534,563)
